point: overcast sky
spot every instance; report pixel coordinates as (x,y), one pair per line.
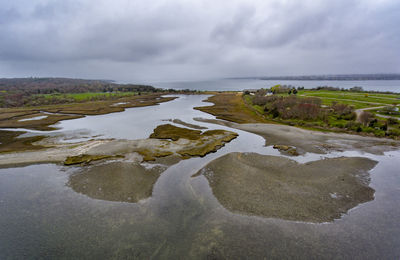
(159,40)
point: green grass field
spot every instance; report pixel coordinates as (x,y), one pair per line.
(358,99)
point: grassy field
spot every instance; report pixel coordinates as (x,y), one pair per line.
(356,99)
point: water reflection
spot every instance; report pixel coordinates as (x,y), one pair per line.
(138,122)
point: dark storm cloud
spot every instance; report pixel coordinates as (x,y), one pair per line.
(162,39)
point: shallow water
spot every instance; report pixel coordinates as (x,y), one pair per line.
(42,217)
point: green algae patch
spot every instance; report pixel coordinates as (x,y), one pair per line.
(174,133)
(116,181)
(86,158)
(151,155)
(278,187)
(211,145)
(201,143)
(285,149)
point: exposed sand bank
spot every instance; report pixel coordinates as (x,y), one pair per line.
(278,187)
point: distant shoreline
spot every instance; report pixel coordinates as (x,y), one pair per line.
(341,77)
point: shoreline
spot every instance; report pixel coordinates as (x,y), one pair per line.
(312,141)
(231,107)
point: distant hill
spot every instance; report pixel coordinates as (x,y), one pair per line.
(66,85)
(330,77)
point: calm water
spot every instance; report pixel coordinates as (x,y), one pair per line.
(42,217)
(240,84)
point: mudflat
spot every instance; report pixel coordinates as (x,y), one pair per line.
(277,187)
(116,181)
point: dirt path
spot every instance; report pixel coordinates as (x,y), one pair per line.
(385,116)
(387,98)
(361,110)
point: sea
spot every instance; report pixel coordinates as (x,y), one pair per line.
(240,84)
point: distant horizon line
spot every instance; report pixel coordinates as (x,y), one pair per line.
(363,76)
(357,76)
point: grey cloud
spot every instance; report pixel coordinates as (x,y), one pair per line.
(178,39)
(8,14)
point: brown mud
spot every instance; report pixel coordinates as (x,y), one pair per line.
(116,181)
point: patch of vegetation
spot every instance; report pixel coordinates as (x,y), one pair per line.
(172,132)
(9,142)
(86,158)
(24,121)
(203,143)
(286,149)
(151,155)
(45,91)
(309,111)
(231,107)
(209,146)
(26,92)
(11,117)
